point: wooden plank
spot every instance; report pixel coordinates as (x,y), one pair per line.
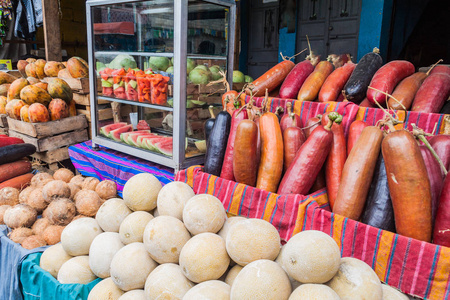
(48,128)
(53,142)
(52,33)
(84,99)
(105,113)
(52,156)
(3,121)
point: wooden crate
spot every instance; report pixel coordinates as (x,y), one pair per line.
(84,99)
(53,142)
(104,111)
(48,129)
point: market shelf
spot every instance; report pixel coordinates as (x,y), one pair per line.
(160,107)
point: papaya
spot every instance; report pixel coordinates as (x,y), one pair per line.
(4,89)
(58,109)
(42,85)
(72,109)
(40,64)
(31,60)
(78,67)
(38,113)
(52,68)
(24,113)
(6,78)
(30,70)
(3,104)
(64,73)
(15,88)
(58,88)
(32,80)
(32,94)
(13,107)
(21,65)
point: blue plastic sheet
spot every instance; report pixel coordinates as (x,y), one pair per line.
(38,284)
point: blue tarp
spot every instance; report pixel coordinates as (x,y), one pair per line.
(38,284)
(11,256)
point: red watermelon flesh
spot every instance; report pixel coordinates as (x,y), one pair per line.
(115,134)
(140,140)
(124,136)
(105,130)
(151,141)
(165,147)
(132,138)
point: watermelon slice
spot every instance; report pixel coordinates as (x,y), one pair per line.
(124,136)
(140,140)
(151,140)
(115,134)
(132,138)
(105,130)
(165,147)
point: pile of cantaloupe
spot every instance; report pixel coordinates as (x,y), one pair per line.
(168,243)
(60,199)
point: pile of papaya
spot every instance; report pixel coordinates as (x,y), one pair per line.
(15,167)
(368,83)
(39,95)
(392,179)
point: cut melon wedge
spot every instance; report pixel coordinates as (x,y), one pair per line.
(105,130)
(132,138)
(115,134)
(165,147)
(124,136)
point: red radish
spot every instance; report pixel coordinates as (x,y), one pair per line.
(441,234)
(333,85)
(432,94)
(386,78)
(308,161)
(289,119)
(353,133)
(335,160)
(435,177)
(227,166)
(311,124)
(295,79)
(441,144)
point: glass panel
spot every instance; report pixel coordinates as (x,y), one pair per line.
(131,27)
(207,52)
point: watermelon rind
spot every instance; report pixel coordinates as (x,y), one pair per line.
(105,130)
(115,134)
(124,136)
(165,147)
(133,138)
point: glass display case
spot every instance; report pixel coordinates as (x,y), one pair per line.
(163,61)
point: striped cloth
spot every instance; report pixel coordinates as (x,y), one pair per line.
(285,212)
(428,122)
(113,165)
(416,268)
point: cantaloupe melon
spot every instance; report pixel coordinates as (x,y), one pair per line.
(76,270)
(311,257)
(232,273)
(279,260)
(77,237)
(155,212)
(53,258)
(312,291)
(390,293)
(251,240)
(102,250)
(204,213)
(164,237)
(132,227)
(167,282)
(356,280)
(172,199)
(131,266)
(261,279)
(133,295)
(227,225)
(141,192)
(105,290)
(211,289)
(111,214)
(204,257)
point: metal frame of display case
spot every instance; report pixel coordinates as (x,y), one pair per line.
(178,160)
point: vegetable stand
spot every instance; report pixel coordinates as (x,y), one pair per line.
(168,42)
